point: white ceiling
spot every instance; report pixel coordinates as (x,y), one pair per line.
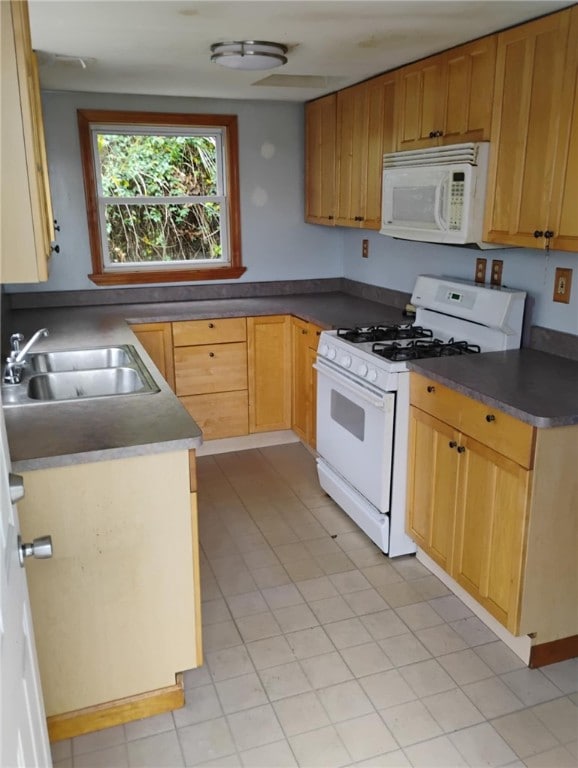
(162,46)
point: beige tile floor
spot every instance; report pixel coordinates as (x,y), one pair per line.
(320,651)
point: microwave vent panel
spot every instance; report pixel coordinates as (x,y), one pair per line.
(470,153)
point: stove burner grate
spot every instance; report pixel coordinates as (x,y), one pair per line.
(423,348)
(377,333)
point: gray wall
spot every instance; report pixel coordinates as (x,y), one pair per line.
(396,264)
(277,243)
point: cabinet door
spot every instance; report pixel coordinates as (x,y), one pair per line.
(420,103)
(210,368)
(380,139)
(525,126)
(352,131)
(220,414)
(432,485)
(300,352)
(563,219)
(491,521)
(320,117)
(469,83)
(269,372)
(157,339)
(27,223)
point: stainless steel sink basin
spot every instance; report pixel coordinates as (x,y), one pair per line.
(81,359)
(72,385)
(80,374)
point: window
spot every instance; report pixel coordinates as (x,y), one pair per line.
(162,195)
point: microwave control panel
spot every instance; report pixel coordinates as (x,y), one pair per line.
(457,188)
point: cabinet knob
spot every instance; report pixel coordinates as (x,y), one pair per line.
(548,234)
(538,233)
(211,325)
(490,417)
(431,389)
(55,248)
(211,354)
(56,226)
(461,449)
(452,443)
(303,331)
(330,218)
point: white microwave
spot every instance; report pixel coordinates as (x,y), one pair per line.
(435,195)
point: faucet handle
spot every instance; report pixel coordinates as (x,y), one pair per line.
(15,341)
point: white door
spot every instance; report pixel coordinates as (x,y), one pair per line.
(23,736)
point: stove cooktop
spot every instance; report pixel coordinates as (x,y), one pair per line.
(423,348)
(376,333)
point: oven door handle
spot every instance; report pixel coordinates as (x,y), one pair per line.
(358,390)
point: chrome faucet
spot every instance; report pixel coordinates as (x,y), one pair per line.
(16,362)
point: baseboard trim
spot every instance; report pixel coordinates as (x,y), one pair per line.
(243,443)
(117,712)
(521,646)
(556,650)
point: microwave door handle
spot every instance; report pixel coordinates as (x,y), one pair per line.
(439,202)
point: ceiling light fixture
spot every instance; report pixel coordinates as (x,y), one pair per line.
(249,54)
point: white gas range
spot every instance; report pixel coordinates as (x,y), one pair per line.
(363,395)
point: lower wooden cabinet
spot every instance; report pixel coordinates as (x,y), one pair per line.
(110,624)
(157,339)
(304,410)
(210,358)
(492,501)
(269,372)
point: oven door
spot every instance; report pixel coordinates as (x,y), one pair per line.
(355,424)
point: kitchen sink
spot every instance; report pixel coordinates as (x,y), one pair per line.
(73,385)
(80,374)
(82,359)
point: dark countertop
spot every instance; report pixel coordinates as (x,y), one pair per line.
(55,434)
(535,387)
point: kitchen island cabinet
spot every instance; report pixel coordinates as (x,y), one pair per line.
(447,98)
(532,183)
(117,608)
(491,500)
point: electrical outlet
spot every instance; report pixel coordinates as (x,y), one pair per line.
(365,249)
(481,265)
(562,285)
(496,274)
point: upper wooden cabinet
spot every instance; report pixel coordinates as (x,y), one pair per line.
(446,99)
(533,179)
(365,130)
(320,160)
(27,221)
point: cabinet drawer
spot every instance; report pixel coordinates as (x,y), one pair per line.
(437,400)
(215,331)
(223,414)
(210,368)
(490,426)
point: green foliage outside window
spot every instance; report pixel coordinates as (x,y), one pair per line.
(149,166)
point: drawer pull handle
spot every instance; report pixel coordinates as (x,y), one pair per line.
(452,443)
(431,389)
(211,354)
(211,325)
(461,449)
(490,417)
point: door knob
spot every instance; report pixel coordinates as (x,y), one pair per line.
(40,548)
(16,484)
